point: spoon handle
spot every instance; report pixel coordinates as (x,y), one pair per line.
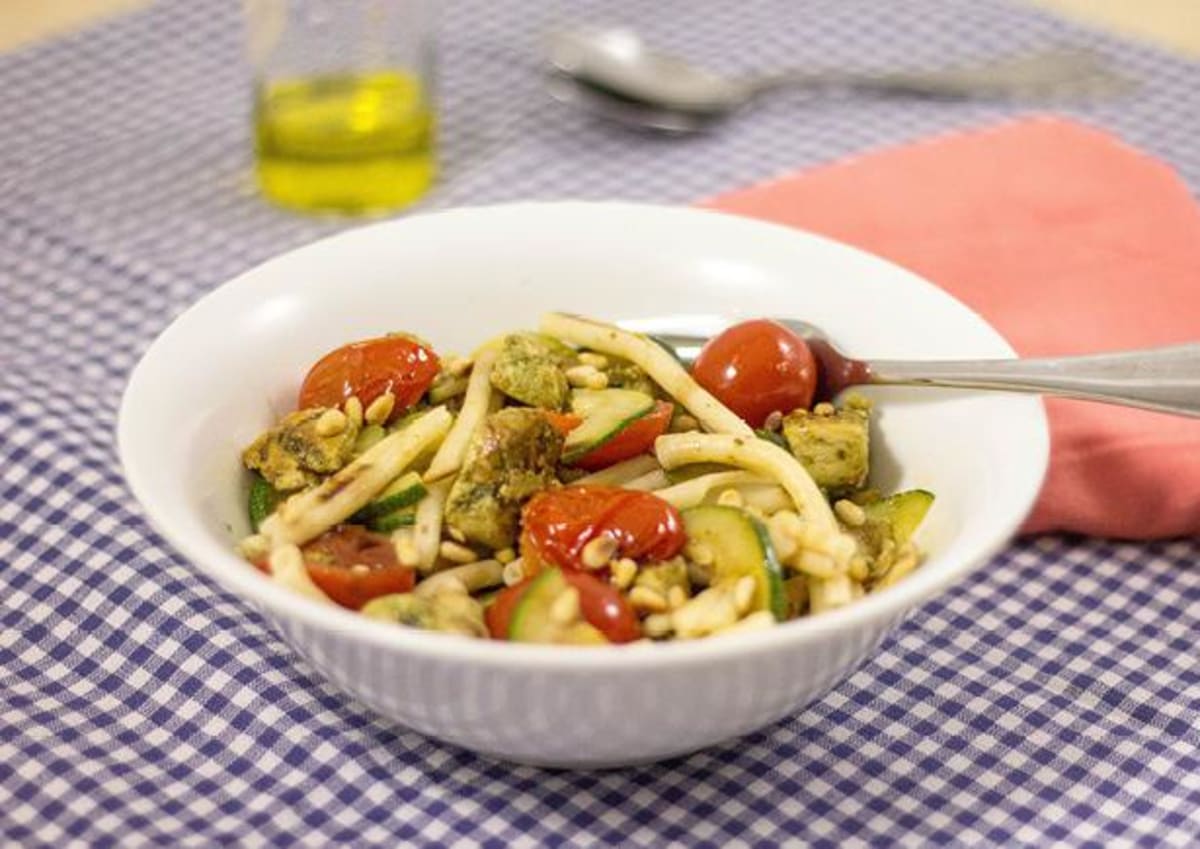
(1163,379)
(1059,71)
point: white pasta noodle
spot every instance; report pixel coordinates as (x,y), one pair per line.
(313,511)
(288,569)
(662,367)
(619,474)
(755,455)
(767,497)
(427,524)
(751,491)
(653,480)
(689,493)
(472,577)
(476,405)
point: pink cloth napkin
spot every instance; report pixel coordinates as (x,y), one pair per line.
(1069,241)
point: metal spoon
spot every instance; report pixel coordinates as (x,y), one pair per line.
(1162,379)
(613,72)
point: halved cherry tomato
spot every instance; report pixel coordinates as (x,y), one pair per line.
(557,524)
(564,423)
(351,565)
(500,612)
(395,364)
(635,438)
(603,606)
(757,367)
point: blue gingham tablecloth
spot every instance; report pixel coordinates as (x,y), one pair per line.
(1054,700)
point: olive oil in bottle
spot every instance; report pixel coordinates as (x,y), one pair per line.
(350,143)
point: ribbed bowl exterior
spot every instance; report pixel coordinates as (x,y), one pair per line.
(551,717)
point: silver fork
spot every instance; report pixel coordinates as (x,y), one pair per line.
(1163,379)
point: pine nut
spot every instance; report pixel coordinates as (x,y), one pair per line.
(646,600)
(850,513)
(506,555)
(712,609)
(827,594)
(565,609)
(354,410)
(586,377)
(743,594)
(783,542)
(598,551)
(457,553)
(514,573)
(470,577)
(657,626)
(590,358)
(676,597)
(906,560)
(623,572)
(330,423)
(380,409)
(815,564)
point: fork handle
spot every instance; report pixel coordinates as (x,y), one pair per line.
(1163,379)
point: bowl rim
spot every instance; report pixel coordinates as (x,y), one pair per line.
(284,605)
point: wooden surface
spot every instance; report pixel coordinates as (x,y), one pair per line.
(1174,24)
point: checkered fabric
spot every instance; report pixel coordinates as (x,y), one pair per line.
(1052,700)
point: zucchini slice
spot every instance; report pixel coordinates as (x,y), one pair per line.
(895,517)
(262,500)
(903,511)
(308,514)
(662,367)
(401,517)
(740,546)
(605,413)
(405,491)
(531,620)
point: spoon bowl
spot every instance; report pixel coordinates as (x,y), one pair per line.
(614,74)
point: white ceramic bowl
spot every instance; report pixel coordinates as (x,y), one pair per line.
(233,362)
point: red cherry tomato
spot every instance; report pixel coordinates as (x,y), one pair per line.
(500,612)
(351,565)
(368,369)
(603,606)
(757,367)
(557,524)
(635,438)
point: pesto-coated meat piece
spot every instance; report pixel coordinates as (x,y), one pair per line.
(303,446)
(529,369)
(512,457)
(833,447)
